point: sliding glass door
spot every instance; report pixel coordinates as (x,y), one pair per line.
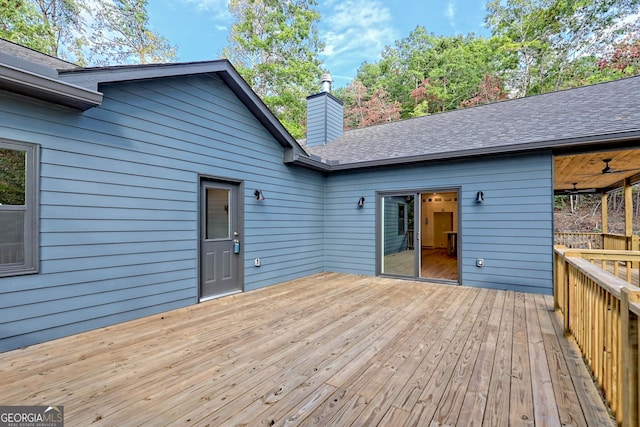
(418,235)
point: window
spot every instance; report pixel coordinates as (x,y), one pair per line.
(18,208)
(218,219)
(401,229)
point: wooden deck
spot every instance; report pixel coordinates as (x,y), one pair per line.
(329,349)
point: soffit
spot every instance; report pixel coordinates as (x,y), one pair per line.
(586,170)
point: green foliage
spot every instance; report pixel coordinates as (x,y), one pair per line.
(118,33)
(65,19)
(559,202)
(21,23)
(123,35)
(427,73)
(275,47)
(553,39)
(12,177)
(536,46)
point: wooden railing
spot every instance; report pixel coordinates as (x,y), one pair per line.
(616,242)
(601,312)
(579,240)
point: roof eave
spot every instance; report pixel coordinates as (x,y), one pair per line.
(622,139)
(304,160)
(37,86)
(257,106)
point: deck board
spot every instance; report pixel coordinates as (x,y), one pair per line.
(329,349)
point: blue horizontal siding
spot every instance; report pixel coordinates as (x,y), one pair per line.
(119,207)
(511,230)
(119,204)
(42,330)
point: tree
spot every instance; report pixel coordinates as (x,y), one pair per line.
(353,96)
(65,19)
(623,59)
(490,89)
(12,177)
(425,97)
(366,110)
(428,73)
(20,23)
(123,35)
(275,47)
(549,36)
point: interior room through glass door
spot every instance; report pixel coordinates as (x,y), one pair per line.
(419,235)
(439,235)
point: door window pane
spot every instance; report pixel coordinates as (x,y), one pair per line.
(217,216)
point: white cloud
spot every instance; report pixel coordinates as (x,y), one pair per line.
(354,31)
(450,13)
(218,8)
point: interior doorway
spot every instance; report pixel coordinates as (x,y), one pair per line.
(442,223)
(418,236)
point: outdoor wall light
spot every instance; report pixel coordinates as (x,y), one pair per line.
(479,197)
(361,202)
(258,195)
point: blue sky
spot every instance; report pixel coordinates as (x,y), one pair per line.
(354,31)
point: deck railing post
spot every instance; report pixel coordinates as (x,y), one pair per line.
(630,415)
(568,296)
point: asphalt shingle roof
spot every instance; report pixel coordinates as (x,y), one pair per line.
(31,55)
(590,111)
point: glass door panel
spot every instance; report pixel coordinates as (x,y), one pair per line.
(398,255)
(439,235)
(217,214)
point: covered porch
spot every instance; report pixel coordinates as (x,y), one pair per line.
(597,275)
(329,349)
(599,173)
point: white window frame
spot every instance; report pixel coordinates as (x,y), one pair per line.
(31,208)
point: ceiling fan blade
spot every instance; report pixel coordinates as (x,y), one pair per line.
(585,191)
(576,190)
(622,170)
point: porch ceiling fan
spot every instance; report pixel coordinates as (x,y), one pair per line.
(575,190)
(608,169)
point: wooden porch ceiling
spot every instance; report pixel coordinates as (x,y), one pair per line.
(329,349)
(586,170)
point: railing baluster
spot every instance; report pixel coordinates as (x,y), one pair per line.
(629,327)
(595,306)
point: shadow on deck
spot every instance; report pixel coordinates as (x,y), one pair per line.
(330,349)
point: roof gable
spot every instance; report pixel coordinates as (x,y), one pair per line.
(91,78)
(27,72)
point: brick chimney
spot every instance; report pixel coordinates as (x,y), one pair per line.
(324,115)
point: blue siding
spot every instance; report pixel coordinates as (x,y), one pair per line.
(119,208)
(512,230)
(119,202)
(324,119)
